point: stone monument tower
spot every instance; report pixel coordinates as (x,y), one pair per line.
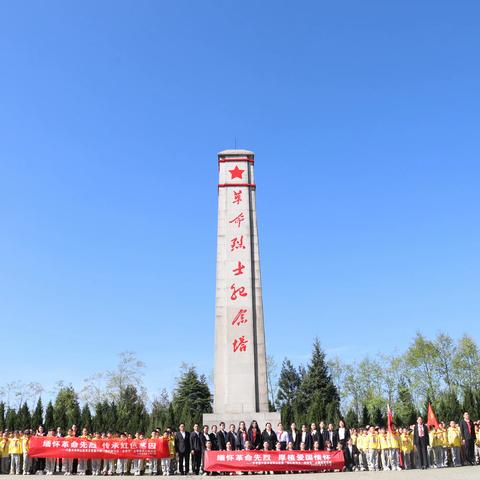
(240,359)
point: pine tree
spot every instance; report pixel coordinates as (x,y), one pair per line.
(376,417)
(365,420)
(37,416)
(469,403)
(49,423)
(2,416)
(24,419)
(86,418)
(10,419)
(317,397)
(161,408)
(449,407)
(288,384)
(192,397)
(131,412)
(351,419)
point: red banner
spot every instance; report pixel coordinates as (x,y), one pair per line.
(78,447)
(259,461)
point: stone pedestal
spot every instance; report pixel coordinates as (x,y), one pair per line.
(240,358)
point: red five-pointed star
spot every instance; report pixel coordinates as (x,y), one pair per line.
(236,173)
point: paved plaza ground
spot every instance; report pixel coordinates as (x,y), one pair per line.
(462,473)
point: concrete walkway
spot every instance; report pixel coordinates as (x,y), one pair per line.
(461,473)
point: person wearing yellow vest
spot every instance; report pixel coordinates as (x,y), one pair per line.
(5,458)
(455,443)
(362,448)
(384,451)
(373,447)
(444,440)
(436,442)
(27,461)
(394,446)
(406,444)
(68,462)
(15,451)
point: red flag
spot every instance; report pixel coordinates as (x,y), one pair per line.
(431,418)
(389,418)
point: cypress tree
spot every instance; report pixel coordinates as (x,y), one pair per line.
(405,412)
(49,423)
(37,416)
(86,418)
(24,419)
(2,416)
(288,384)
(131,412)
(351,419)
(10,419)
(365,420)
(66,409)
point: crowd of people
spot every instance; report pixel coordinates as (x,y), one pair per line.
(371,448)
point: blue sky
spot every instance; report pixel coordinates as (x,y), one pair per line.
(364,117)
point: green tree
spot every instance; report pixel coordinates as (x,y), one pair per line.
(317,397)
(162,413)
(49,422)
(66,410)
(10,419)
(449,408)
(131,412)
(351,419)
(37,416)
(24,418)
(288,384)
(422,359)
(2,416)
(365,418)
(191,398)
(466,363)
(105,417)
(376,417)
(405,412)
(86,418)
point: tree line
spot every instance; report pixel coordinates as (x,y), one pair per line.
(441,371)
(123,408)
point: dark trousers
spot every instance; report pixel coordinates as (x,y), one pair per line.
(470,451)
(422,454)
(196,461)
(184,463)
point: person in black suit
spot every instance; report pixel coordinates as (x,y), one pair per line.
(331,435)
(467,429)
(242,435)
(322,434)
(222,437)
(306,437)
(350,454)
(315,434)
(343,433)
(196,449)
(232,437)
(254,436)
(182,447)
(294,436)
(214,437)
(269,436)
(421,441)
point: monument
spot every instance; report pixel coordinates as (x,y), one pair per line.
(240,376)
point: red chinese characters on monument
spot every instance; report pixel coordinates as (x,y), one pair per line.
(240,344)
(237,197)
(238,219)
(240,317)
(237,292)
(237,243)
(238,270)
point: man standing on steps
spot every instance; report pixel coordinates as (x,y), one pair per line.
(182,447)
(196,448)
(467,429)
(421,441)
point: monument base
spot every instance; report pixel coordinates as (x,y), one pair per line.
(261,417)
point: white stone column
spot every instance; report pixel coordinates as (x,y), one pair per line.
(240,357)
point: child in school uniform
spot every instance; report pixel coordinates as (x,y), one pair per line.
(50,462)
(15,451)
